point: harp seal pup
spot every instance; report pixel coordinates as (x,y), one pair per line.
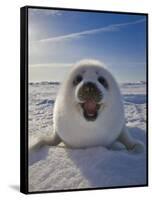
(89,111)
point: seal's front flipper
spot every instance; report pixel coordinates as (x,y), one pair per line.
(52,140)
(131,144)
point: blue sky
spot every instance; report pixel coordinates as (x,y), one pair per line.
(58,38)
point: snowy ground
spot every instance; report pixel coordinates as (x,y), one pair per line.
(59,168)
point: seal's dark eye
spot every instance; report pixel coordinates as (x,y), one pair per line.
(103,82)
(77,80)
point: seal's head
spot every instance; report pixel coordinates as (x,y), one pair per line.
(91,86)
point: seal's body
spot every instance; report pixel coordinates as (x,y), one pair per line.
(89,110)
(70,123)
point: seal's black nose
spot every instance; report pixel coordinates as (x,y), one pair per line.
(89,86)
(89,90)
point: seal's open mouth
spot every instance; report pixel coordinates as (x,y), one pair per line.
(90,109)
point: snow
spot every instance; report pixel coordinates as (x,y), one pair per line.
(60,168)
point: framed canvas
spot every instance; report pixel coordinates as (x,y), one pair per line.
(84,99)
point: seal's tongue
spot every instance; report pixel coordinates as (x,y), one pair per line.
(90,107)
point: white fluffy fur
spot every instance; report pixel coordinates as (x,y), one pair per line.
(69,121)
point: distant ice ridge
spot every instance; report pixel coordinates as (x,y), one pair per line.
(57,82)
(134,83)
(44,83)
(59,168)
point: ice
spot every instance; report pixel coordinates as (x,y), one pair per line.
(61,168)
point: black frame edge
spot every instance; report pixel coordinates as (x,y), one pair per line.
(23,100)
(84,10)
